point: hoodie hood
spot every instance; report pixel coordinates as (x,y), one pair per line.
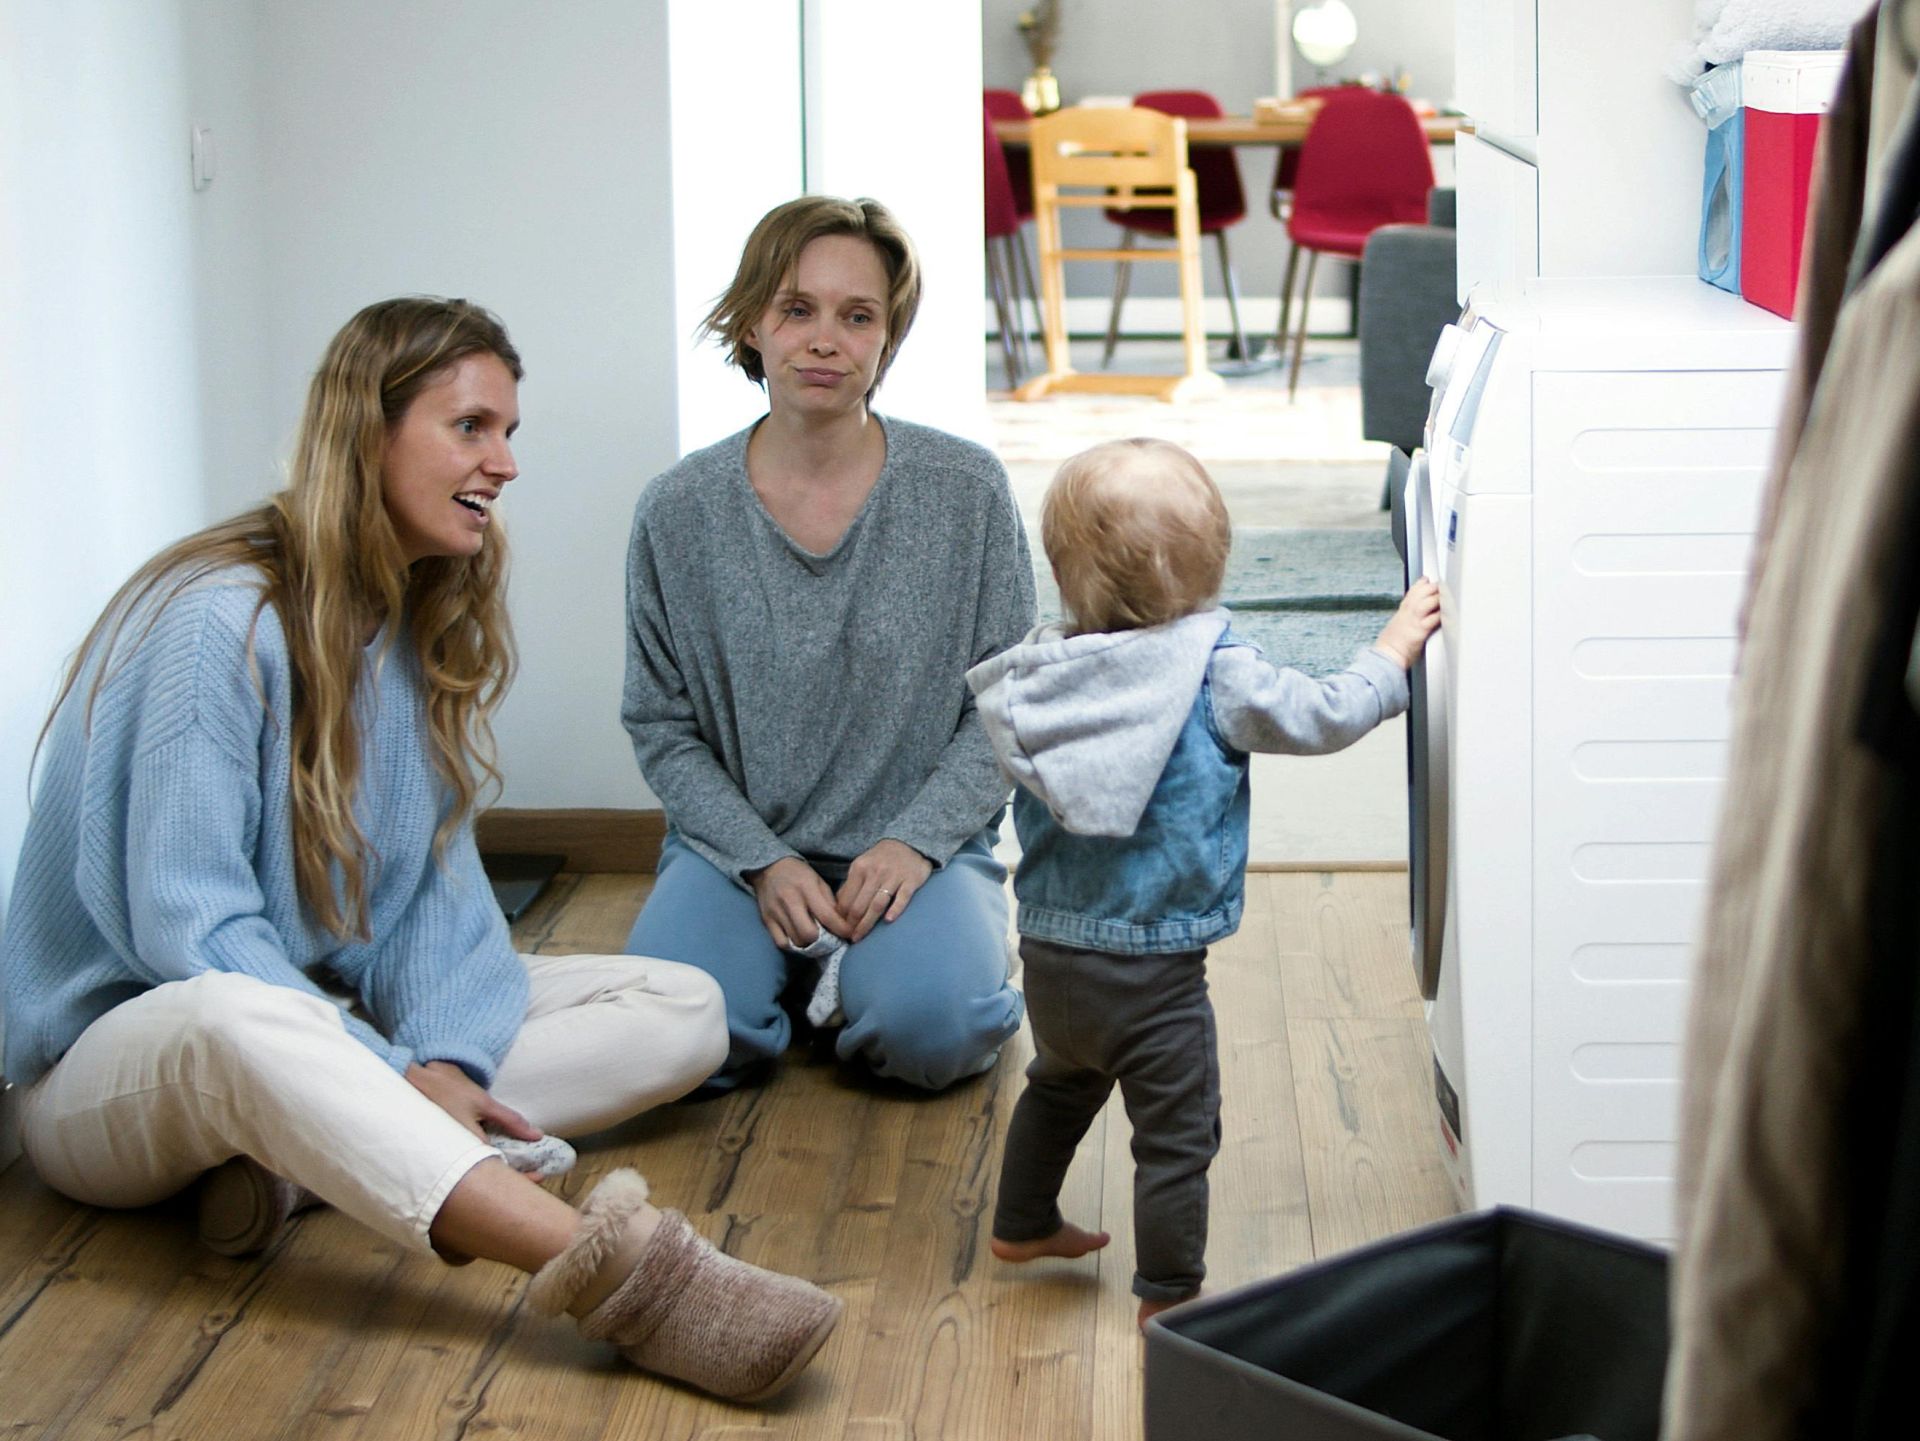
(1086,722)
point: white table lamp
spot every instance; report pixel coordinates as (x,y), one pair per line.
(1325,33)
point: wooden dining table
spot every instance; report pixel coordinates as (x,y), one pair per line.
(1279,126)
(1245,130)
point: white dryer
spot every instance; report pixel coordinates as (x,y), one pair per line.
(1586,501)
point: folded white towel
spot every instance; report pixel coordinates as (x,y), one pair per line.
(1725,30)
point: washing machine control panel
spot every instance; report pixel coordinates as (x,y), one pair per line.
(1467,381)
(1441,366)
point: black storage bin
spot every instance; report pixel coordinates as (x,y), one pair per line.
(1497,1326)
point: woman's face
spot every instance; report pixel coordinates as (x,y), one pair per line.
(821,340)
(448,458)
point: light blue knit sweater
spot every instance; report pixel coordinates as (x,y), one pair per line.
(161,846)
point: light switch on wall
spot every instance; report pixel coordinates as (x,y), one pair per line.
(202,148)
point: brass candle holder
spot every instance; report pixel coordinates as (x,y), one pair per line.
(1040,92)
(1040,28)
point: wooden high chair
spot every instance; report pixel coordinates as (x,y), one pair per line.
(1116,159)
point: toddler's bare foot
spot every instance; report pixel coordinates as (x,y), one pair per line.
(1154,1308)
(1069,1241)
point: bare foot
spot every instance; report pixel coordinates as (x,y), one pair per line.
(1069,1241)
(1154,1308)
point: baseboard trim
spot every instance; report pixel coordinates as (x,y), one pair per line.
(1284,867)
(627,842)
(9,1126)
(621,841)
(1151,317)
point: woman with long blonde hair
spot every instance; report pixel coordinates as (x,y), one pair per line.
(251,944)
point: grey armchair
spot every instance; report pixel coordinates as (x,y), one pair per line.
(1407,289)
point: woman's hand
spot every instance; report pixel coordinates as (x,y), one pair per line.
(795,904)
(1406,634)
(879,883)
(454,1091)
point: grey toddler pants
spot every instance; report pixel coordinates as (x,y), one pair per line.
(1145,1022)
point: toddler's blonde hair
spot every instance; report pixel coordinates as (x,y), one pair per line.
(1137,533)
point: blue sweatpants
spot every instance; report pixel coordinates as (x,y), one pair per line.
(926,997)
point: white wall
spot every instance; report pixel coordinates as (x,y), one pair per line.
(516,155)
(241,444)
(893,111)
(107,256)
(846,65)
(730,167)
(1116,47)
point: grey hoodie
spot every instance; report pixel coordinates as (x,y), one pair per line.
(1086,723)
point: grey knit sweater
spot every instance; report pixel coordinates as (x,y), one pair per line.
(785,703)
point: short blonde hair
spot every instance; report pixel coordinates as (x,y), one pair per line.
(1137,533)
(772,252)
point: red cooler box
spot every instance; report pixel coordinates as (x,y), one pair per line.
(1783,94)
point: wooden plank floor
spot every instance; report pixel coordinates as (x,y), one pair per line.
(117,1324)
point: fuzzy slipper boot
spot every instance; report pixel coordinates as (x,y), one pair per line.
(244,1206)
(687,1310)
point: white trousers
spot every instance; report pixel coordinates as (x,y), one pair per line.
(192,1073)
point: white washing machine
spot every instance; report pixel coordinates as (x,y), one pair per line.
(1586,501)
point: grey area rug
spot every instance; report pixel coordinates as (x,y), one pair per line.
(1308,598)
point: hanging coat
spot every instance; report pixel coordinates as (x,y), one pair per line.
(1776,1024)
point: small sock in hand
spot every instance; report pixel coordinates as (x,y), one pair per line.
(542,1159)
(826,948)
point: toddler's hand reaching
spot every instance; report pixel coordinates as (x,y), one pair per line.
(1405,636)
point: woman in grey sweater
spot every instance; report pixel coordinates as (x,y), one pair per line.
(803,602)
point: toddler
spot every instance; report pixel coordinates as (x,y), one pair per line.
(1127,730)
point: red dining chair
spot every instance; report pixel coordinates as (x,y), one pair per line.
(1223,203)
(1003,225)
(1364,164)
(1286,168)
(1007,105)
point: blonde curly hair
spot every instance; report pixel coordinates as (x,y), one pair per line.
(1137,534)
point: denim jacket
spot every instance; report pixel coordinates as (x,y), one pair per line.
(1129,751)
